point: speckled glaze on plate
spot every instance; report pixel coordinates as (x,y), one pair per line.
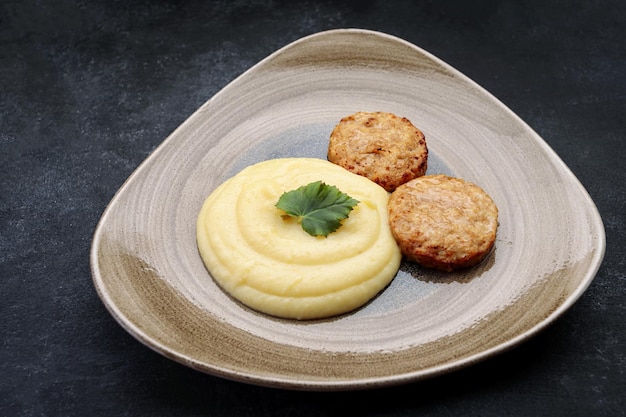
(550,243)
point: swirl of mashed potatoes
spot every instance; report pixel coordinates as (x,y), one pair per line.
(270,264)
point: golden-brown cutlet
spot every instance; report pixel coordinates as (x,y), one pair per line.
(383,147)
(443,222)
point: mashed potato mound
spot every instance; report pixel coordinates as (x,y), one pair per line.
(270,264)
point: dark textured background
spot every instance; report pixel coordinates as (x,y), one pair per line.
(89,88)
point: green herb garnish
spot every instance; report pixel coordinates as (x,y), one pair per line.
(318,207)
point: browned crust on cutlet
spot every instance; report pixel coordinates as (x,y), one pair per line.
(443,222)
(383,147)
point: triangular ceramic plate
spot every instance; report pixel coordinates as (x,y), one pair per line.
(550,244)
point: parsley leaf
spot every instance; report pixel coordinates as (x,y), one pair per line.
(318,207)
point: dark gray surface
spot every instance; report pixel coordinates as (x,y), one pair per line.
(89,89)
